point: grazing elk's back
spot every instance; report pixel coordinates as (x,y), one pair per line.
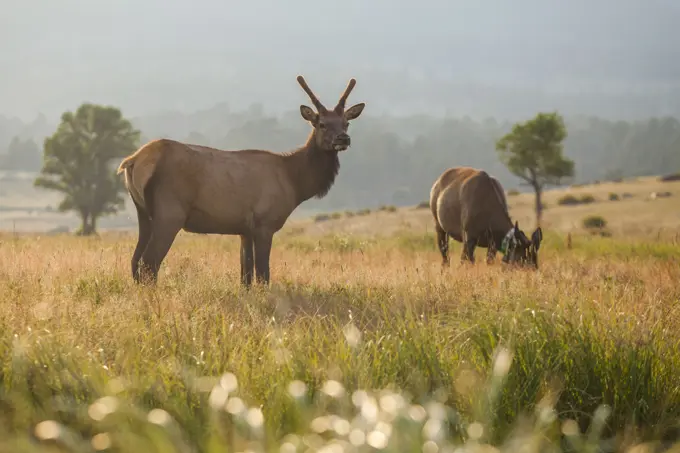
(469,205)
(470,197)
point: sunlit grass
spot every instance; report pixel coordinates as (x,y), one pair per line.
(361,343)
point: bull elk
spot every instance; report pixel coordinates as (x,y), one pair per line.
(470,206)
(251,193)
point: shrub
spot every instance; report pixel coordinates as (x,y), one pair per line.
(594,222)
(567,200)
(586,199)
(387,208)
(349,214)
(513,192)
(571,200)
(614,197)
(363,212)
(423,205)
(321,217)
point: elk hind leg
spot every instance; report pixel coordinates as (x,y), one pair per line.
(247,260)
(443,244)
(164,230)
(143,238)
(469,245)
(263,248)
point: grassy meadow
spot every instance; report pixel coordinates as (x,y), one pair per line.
(362,343)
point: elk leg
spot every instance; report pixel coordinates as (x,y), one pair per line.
(263,248)
(247,260)
(491,248)
(163,233)
(144,222)
(443,244)
(468,249)
(490,254)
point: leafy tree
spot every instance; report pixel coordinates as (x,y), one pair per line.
(22,155)
(532,150)
(78,158)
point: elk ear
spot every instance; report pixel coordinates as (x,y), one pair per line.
(354,111)
(537,237)
(309,114)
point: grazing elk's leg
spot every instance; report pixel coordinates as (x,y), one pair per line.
(469,245)
(491,249)
(491,254)
(443,244)
(263,248)
(144,222)
(163,232)
(247,260)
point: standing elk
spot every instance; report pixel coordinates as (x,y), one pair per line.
(250,193)
(469,205)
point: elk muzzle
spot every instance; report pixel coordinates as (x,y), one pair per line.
(341,142)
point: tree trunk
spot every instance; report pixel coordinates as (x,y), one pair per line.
(539,205)
(93,224)
(87,224)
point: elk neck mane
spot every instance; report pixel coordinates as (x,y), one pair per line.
(312,169)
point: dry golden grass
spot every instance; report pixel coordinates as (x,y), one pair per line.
(598,324)
(635,216)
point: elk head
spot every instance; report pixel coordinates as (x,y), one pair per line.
(520,250)
(330,126)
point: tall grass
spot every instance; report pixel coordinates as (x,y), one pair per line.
(361,344)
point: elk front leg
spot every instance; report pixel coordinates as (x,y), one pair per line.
(443,244)
(491,254)
(263,248)
(491,247)
(247,260)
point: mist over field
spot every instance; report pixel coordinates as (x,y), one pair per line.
(442,81)
(617,59)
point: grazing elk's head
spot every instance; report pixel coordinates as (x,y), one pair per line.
(518,249)
(330,126)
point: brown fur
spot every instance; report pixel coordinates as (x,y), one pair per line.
(250,193)
(469,205)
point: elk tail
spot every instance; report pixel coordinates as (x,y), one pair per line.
(126,163)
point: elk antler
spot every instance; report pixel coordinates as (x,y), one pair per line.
(319,106)
(341,103)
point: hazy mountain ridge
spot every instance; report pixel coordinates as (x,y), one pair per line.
(394,160)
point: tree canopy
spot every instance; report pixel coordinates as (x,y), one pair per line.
(533,151)
(78,158)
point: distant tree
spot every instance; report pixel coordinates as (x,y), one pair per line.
(78,162)
(22,155)
(532,150)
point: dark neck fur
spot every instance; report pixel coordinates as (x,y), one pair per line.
(312,169)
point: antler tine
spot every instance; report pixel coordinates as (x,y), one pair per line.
(319,106)
(341,103)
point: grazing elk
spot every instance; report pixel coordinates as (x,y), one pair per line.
(249,193)
(469,205)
